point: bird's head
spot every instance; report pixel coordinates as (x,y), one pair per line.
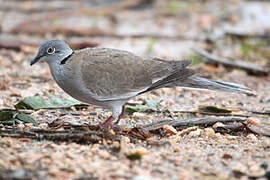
(52,51)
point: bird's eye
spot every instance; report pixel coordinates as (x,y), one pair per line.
(50,50)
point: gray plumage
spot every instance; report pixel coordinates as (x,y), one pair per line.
(109,77)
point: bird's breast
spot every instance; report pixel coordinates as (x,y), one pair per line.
(70,80)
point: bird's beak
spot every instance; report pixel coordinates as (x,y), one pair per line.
(37,58)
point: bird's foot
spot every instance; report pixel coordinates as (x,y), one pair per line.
(109,125)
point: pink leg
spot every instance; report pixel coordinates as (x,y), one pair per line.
(123,111)
(108,122)
(120,116)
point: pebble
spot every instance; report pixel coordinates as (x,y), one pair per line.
(195,133)
(231,137)
(140,151)
(238,167)
(138,115)
(209,132)
(185,175)
(253,121)
(104,154)
(266,142)
(256,171)
(178,161)
(218,124)
(29,125)
(176,149)
(143,177)
(43,125)
(21,125)
(170,129)
(252,137)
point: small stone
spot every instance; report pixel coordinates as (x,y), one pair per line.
(143,177)
(185,175)
(140,151)
(229,137)
(218,125)
(21,125)
(138,115)
(176,149)
(209,132)
(218,135)
(195,133)
(239,168)
(116,144)
(252,137)
(227,156)
(29,125)
(256,171)
(266,142)
(253,121)
(124,144)
(43,125)
(178,161)
(170,129)
(104,154)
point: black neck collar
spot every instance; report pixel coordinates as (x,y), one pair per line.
(66,58)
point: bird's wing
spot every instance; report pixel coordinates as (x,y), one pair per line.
(111,74)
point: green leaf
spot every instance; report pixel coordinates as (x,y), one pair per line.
(213,109)
(8,123)
(11,117)
(26,119)
(6,115)
(37,102)
(134,156)
(195,59)
(149,105)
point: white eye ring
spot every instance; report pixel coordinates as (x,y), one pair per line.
(50,50)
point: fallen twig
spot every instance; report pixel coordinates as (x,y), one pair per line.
(259,130)
(247,35)
(230,127)
(193,121)
(64,135)
(212,58)
(261,113)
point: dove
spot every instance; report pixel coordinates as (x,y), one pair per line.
(109,77)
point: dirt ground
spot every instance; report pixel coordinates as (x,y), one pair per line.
(65,146)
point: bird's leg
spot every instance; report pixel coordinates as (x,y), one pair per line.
(123,110)
(120,116)
(108,122)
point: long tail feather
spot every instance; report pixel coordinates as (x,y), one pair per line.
(203,83)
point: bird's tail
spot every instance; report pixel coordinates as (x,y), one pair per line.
(203,83)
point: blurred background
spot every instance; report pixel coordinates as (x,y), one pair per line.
(164,28)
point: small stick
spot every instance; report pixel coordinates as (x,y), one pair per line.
(212,58)
(247,35)
(193,121)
